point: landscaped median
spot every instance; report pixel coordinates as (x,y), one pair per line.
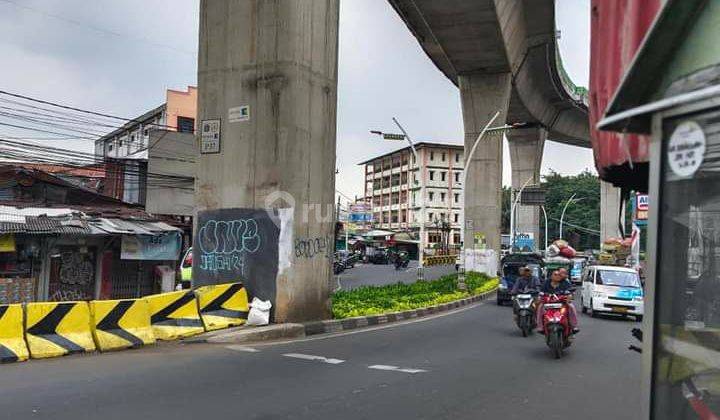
(374,305)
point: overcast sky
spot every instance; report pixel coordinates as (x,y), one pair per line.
(119,56)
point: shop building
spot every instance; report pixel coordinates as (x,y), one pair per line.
(59,242)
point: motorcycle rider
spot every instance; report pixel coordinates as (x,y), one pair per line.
(525,283)
(558,284)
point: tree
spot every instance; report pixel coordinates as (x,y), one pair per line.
(582,218)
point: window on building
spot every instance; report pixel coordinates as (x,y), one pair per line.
(386,200)
(395,180)
(442,157)
(434,237)
(431,195)
(386,182)
(442,197)
(377,166)
(430,216)
(403,216)
(457,176)
(377,201)
(432,155)
(387,163)
(377,184)
(457,157)
(404,159)
(394,216)
(443,175)
(403,197)
(396,162)
(185,125)
(403,178)
(456,238)
(395,198)
(432,175)
(456,217)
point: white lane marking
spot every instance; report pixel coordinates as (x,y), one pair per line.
(245,349)
(396,369)
(316,358)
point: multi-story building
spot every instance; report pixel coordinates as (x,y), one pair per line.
(126,148)
(393,185)
(130,141)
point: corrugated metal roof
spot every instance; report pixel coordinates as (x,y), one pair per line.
(51,221)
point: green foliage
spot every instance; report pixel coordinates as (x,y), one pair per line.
(584,213)
(376,300)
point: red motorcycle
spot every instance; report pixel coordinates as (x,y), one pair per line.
(556,323)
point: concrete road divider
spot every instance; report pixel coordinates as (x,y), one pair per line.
(222,305)
(174,315)
(120,324)
(58,328)
(12,341)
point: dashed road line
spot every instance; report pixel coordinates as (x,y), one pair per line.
(314,358)
(245,349)
(396,369)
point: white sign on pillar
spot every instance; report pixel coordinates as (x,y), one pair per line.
(210,136)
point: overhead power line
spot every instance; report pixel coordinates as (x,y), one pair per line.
(99,29)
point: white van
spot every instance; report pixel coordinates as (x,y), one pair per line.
(612,289)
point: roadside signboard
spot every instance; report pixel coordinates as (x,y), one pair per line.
(642,205)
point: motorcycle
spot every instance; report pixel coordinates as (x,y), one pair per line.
(524,310)
(401,261)
(556,323)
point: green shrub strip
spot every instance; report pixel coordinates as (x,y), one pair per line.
(377,300)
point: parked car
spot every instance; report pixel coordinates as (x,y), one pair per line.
(612,289)
(186,269)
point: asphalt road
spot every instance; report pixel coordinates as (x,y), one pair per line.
(468,364)
(380,274)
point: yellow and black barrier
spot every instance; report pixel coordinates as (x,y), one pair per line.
(58,328)
(174,315)
(12,341)
(439,260)
(120,324)
(222,305)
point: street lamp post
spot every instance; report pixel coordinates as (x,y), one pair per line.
(406,136)
(562,216)
(545,239)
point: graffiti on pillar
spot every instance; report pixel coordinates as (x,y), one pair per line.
(307,248)
(224,244)
(237,244)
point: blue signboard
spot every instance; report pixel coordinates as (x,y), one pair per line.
(525,241)
(151,247)
(361,217)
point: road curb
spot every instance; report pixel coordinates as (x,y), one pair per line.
(337,325)
(246,334)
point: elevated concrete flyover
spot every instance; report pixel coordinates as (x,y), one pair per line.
(503,56)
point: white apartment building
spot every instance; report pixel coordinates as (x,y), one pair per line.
(393,185)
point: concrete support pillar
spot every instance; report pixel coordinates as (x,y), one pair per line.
(483,95)
(278,59)
(526,151)
(610,208)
